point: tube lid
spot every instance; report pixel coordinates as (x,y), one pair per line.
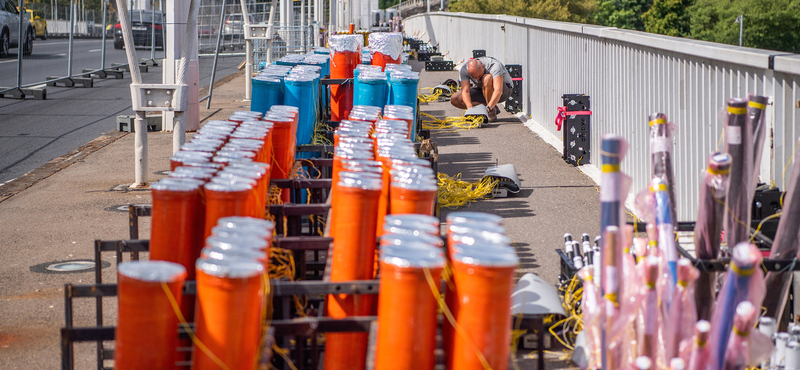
(345,42)
(362,182)
(212,253)
(486,257)
(230,269)
(152,271)
(387,43)
(459,217)
(177,184)
(242,221)
(410,218)
(237,242)
(476,237)
(402,238)
(418,184)
(403,256)
(468,227)
(227,186)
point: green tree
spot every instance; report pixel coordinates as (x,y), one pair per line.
(667,17)
(625,14)
(383,4)
(555,10)
(768,24)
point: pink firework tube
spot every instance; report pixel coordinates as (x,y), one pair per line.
(683,312)
(698,359)
(591,314)
(611,291)
(738,354)
(649,319)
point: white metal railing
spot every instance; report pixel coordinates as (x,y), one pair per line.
(629,74)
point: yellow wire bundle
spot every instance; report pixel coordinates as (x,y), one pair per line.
(319,136)
(454,192)
(458,123)
(432,97)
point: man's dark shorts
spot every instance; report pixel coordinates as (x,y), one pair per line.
(476,94)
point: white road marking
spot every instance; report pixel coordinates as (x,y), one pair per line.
(8,61)
(62,54)
(94,50)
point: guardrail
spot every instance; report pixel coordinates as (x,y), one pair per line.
(629,74)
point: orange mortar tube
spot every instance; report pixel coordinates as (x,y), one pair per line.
(406,318)
(146,336)
(411,201)
(228,320)
(383,205)
(484,306)
(342,65)
(223,204)
(353,255)
(284,145)
(381,59)
(176,234)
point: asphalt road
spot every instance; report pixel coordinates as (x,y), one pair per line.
(33,132)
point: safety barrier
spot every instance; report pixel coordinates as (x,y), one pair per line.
(630,74)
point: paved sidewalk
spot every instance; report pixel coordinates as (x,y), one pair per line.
(56,213)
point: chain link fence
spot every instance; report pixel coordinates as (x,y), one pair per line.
(287,40)
(231,28)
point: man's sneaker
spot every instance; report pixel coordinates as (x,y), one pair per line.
(496,110)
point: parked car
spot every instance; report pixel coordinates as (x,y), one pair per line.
(142,24)
(39,24)
(234,26)
(9,29)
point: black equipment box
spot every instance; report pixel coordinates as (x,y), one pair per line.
(424,56)
(438,65)
(766,202)
(514,104)
(478,53)
(577,130)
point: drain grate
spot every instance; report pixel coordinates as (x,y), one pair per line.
(66,267)
(121,208)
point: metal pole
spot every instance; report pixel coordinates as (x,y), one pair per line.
(248,67)
(429,6)
(20,45)
(216,57)
(303,24)
(152,32)
(741,28)
(103,48)
(139,123)
(441,5)
(71,31)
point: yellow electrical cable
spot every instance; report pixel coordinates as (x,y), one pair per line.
(197,342)
(454,192)
(458,123)
(432,97)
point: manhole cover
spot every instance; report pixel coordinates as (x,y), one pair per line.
(71,266)
(66,267)
(121,208)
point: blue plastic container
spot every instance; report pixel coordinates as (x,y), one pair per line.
(266,91)
(300,93)
(371,90)
(404,91)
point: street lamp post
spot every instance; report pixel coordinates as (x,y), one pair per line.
(740,20)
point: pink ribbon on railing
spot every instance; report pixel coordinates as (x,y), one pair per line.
(562,115)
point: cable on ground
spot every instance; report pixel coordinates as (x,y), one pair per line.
(454,192)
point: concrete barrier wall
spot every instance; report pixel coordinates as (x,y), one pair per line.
(629,74)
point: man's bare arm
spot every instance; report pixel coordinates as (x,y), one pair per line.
(465,94)
(497,83)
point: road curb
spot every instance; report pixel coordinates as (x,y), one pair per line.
(46,170)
